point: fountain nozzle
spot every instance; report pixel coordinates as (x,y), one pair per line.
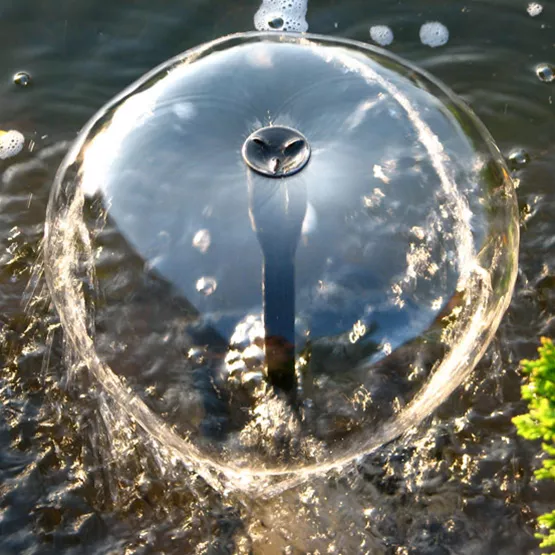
(277,209)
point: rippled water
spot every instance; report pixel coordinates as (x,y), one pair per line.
(459,484)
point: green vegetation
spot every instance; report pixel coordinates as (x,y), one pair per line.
(539,422)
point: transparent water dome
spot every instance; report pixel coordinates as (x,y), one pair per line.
(277,252)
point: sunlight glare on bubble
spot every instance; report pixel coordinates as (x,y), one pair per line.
(134,112)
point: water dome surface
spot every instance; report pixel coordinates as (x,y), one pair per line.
(391,251)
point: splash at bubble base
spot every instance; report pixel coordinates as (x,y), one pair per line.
(483,286)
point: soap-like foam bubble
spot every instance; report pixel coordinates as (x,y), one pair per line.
(534,9)
(282,15)
(434,34)
(381,34)
(270,449)
(11,144)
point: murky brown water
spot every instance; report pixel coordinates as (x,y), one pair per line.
(461,484)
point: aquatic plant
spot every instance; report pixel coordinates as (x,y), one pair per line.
(539,421)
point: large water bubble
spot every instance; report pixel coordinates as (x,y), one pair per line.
(277,253)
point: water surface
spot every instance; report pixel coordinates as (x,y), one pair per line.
(461,484)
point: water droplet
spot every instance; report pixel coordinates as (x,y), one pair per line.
(534,9)
(381,34)
(545,73)
(196,355)
(22,79)
(202,240)
(518,159)
(434,34)
(207,285)
(275,23)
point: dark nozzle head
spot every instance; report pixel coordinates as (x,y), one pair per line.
(276,151)
(277,213)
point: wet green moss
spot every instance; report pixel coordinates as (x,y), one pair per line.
(539,422)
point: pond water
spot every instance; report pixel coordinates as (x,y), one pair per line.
(76,476)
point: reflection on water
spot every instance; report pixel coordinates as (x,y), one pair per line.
(461,483)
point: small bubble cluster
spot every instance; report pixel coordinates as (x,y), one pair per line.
(281,15)
(434,34)
(534,9)
(546,73)
(381,34)
(11,144)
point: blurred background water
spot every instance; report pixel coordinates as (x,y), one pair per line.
(460,484)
